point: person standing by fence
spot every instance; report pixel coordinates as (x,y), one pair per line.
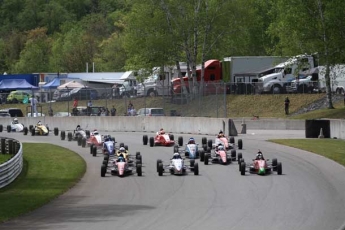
(287,104)
(33,102)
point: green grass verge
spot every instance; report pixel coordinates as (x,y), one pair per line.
(45,175)
(330,148)
(4,158)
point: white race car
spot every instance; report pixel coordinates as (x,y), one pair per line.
(177,166)
(15,127)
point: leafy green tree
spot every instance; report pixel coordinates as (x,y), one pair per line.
(35,55)
(311,26)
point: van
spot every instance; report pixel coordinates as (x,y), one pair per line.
(14,112)
(18,96)
(151,112)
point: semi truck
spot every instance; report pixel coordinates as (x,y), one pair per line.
(229,71)
(279,78)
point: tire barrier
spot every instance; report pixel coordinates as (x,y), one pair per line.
(11,169)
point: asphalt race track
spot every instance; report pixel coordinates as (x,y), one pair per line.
(309,195)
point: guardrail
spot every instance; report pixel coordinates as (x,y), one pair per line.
(10,170)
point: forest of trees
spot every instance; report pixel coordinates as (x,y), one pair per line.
(117,35)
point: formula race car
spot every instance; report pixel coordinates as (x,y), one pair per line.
(191,150)
(120,166)
(159,139)
(227,142)
(39,129)
(121,151)
(80,135)
(220,156)
(15,126)
(261,166)
(177,166)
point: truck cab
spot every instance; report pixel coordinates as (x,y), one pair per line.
(284,73)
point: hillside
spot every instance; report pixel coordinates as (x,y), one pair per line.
(237,106)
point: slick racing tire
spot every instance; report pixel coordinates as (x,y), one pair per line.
(9,128)
(25,131)
(204,141)
(91,147)
(233,154)
(240,144)
(63,135)
(171,137)
(239,157)
(94,151)
(1,128)
(56,131)
(83,142)
(206,158)
(279,168)
(192,163)
(209,144)
(103,170)
(175,149)
(232,140)
(79,139)
(33,132)
(139,170)
(145,140)
(274,164)
(202,156)
(196,169)
(87,133)
(159,161)
(243,168)
(160,169)
(152,141)
(180,141)
(139,159)
(69,136)
(31,127)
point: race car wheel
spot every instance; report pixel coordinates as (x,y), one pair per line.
(126,147)
(113,139)
(196,169)
(186,154)
(145,140)
(228,160)
(274,164)
(240,144)
(139,158)
(175,149)
(25,130)
(33,132)
(83,142)
(105,162)
(208,150)
(103,170)
(232,140)
(239,163)
(9,128)
(160,169)
(91,147)
(202,155)
(204,141)
(206,159)
(106,157)
(279,168)
(122,144)
(1,128)
(139,170)
(79,139)
(192,163)
(243,168)
(69,136)
(56,131)
(94,151)
(239,157)
(204,147)
(87,133)
(233,153)
(209,143)
(158,162)
(180,141)
(171,137)
(137,154)
(63,135)
(31,127)
(152,141)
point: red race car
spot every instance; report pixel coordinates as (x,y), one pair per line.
(160,139)
(95,142)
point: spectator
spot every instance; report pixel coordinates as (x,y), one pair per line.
(107,112)
(113,111)
(50,112)
(75,103)
(130,106)
(89,104)
(344,98)
(33,102)
(287,104)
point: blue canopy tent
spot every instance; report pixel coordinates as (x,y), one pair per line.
(16,84)
(53,84)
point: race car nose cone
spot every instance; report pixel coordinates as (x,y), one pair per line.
(262,171)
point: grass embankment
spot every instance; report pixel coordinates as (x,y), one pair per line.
(212,106)
(45,175)
(330,148)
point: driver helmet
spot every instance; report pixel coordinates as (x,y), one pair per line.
(78,127)
(39,123)
(122,150)
(220,132)
(260,156)
(121,158)
(176,156)
(162,131)
(220,147)
(106,138)
(95,132)
(259,152)
(15,121)
(191,140)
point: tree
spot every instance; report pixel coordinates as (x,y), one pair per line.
(311,26)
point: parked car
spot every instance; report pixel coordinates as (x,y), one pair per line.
(38,115)
(57,93)
(62,114)
(151,112)
(14,112)
(18,96)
